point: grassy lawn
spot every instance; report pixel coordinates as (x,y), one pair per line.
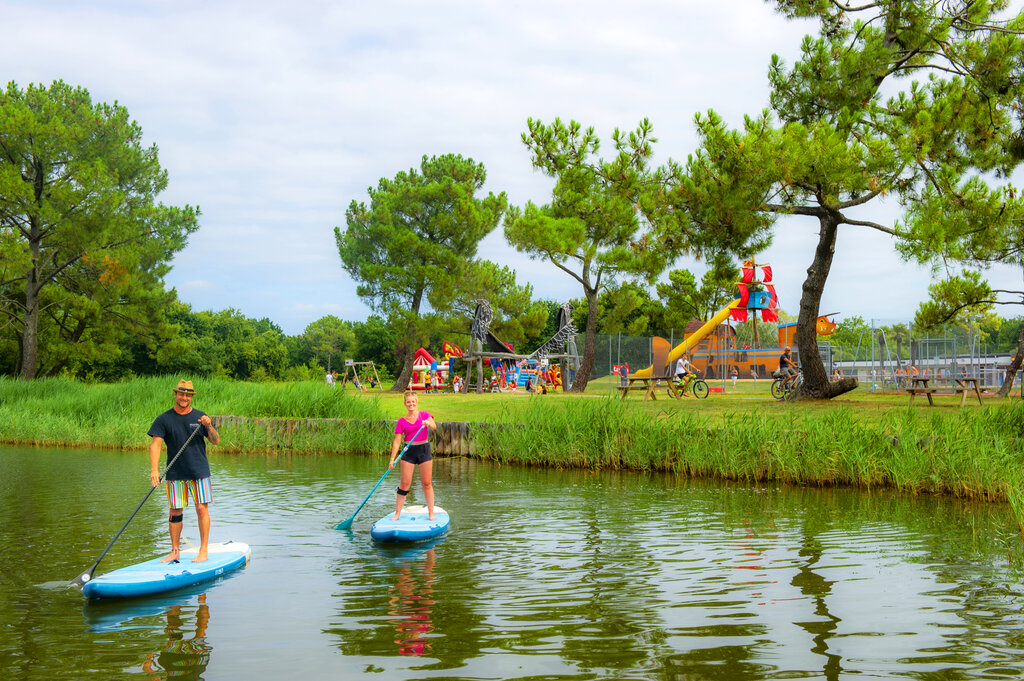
(748,396)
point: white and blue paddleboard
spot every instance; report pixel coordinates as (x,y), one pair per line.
(154,577)
(412,525)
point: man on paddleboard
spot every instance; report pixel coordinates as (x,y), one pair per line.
(191,471)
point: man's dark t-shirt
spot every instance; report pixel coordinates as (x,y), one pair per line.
(175,428)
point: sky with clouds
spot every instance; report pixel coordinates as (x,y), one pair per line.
(272,117)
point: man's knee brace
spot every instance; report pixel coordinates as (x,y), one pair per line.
(401,492)
(175,518)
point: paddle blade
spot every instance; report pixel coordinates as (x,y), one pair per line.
(345,524)
(79,581)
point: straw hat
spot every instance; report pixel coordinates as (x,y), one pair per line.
(185,387)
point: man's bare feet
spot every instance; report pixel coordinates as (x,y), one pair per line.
(200,557)
(170,557)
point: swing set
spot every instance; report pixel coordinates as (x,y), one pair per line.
(364,375)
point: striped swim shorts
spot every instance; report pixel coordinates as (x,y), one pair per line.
(179,490)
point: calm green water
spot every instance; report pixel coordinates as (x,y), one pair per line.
(546,575)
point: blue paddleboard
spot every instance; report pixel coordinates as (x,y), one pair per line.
(154,577)
(412,525)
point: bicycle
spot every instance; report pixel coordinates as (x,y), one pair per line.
(698,388)
(781,388)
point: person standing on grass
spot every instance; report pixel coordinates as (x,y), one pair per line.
(190,473)
(735,375)
(418,456)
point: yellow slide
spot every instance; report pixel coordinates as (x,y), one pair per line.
(695,337)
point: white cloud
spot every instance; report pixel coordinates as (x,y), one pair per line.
(272,117)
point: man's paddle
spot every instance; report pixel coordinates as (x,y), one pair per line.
(347,524)
(81,579)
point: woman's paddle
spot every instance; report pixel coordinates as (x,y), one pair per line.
(81,579)
(347,524)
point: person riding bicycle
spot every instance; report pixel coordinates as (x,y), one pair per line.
(685,372)
(787,367)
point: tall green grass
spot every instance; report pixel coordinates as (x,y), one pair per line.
(58,411)
(973,453)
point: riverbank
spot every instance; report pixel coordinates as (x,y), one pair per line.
(969,453)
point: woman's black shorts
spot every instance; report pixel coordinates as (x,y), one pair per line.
(418,453)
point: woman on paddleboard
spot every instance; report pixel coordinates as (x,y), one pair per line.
(418,455)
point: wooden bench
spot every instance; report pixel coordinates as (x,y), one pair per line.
(919,386)
(921,391)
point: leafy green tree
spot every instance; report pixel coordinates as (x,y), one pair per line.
(330,341)
(917,101)
(1008,336)
(301,363)
(413,246)
(192,348)
(223,343)
(84,245)
(629,308)
(541,336)
(601,220)
(625,307)
(375,341)
(960,296)
(254,349)
(848,336)
(685,301)
(516,315)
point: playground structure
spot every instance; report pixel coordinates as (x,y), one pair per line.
(361,375)
(429,373)
(717,353)
(517,369)
(524,373)
(709,341)
(664,358)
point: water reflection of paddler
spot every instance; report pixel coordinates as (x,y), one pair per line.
(410,605)
(183,658)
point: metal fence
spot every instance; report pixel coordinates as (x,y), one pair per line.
(884,369)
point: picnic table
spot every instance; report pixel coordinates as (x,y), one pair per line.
(961,386)
(965,385)
(919,386)
(646,384)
